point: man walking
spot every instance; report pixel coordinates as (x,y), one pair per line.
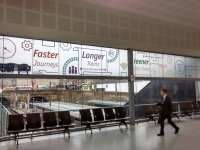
(166,112)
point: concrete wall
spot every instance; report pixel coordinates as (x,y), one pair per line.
(81,22)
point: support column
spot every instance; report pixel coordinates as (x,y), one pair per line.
(131,86)
(197,90)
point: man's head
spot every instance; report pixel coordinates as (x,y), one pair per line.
(163,92)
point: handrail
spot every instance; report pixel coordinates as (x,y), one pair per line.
(3,119)
(176,102)
(5,108)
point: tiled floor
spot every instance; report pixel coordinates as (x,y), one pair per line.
(140,137)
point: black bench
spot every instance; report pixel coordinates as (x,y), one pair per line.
(86,119)
(150,113)
(117,114)
(186,109)
(96,116)
(175,110)
(49,120)
(38,124)
(196,107)
(122,115)
(16,125)
(65,121)
(32,122)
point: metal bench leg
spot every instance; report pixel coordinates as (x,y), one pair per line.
(91,131)
(88,126)
(177,116)
(190,115)
(100,128)
(155,121)
(64,133)
(123,122)
(151,118)
(16,140)
(32,137)
(68,132)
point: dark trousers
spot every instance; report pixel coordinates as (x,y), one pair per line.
(162,122)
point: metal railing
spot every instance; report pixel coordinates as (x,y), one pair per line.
(140,110)
(3,120)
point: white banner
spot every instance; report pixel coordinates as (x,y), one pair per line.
(31,56)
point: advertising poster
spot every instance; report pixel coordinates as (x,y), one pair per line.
(69,59)
(191,67)
(93,61)
(162,65)
(168,66)
(39,57)
(180,67)
(156,64)
(123,63)
(45,57)
(197,68)
(16,54)
(1,49)
(141,63)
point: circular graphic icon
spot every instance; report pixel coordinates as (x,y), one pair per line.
(111,53)
(180,66)
(7,48)
(27,45)
(65,46)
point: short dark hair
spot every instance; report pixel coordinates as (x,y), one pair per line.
(164,90)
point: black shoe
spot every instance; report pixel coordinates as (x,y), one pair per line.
(160,134)
(177,131)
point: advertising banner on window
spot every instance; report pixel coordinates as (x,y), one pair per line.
(162,65)
(29,56)
(141,64)
(168,66)
(38,57)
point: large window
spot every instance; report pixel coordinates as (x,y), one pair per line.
(31,95)
(39,75)
(148,93)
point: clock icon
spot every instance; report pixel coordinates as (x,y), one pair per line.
(7,48)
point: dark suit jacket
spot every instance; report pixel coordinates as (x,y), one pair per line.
(166,106)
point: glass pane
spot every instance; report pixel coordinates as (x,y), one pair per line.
(147,92)
(191,67)
(142,64)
